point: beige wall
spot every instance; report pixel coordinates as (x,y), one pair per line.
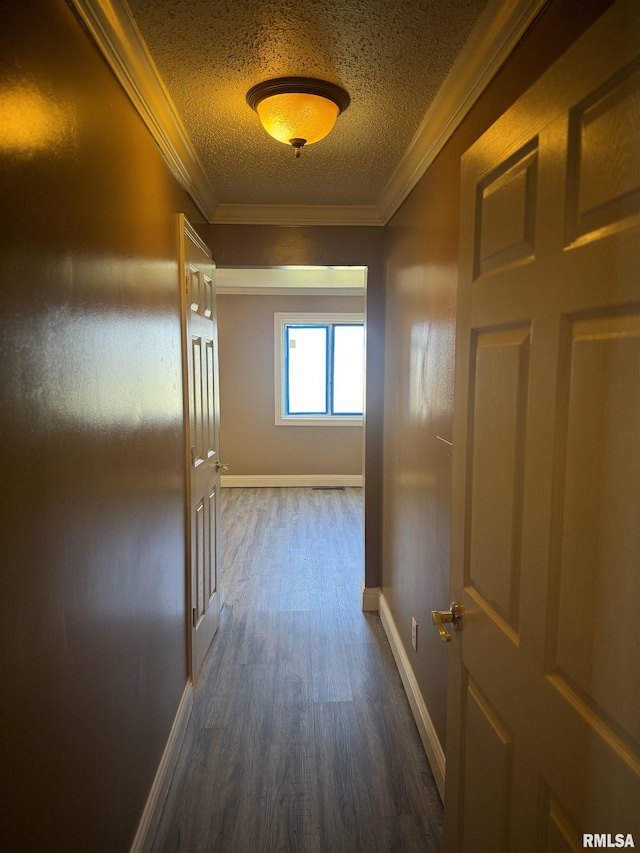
(421,276)
(274,245)
(92,551)
(250,442)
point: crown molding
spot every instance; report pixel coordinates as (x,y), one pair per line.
(296,214)
(115,32)
(499,28)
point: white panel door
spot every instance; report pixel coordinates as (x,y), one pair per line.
(202,415)
(543,738)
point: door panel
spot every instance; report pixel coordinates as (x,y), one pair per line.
(202,418)
(497,437)
(489,767)
(559,833)
(543,731)
(195,389)
(505,226)
(597,518)
(604,140)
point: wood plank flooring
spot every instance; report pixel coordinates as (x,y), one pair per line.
(301,737)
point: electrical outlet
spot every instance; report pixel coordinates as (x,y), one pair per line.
(414,634)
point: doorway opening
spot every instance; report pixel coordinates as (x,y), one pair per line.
(277,332)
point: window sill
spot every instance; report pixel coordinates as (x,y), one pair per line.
(302,420)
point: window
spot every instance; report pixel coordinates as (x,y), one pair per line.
(319,369)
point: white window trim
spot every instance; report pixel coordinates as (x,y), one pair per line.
(282,319)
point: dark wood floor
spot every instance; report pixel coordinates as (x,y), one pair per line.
(301,737)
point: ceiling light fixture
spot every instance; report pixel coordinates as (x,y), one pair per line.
(298,110)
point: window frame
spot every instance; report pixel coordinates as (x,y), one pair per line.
(302,318)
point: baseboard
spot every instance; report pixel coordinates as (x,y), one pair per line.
(253,481)
(370,596)
(157,795)
(431,743)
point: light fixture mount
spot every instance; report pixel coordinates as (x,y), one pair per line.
(298,110)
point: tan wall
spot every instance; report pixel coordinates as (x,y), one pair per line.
(421,276)
(92,552)
(274,245)
(250,441)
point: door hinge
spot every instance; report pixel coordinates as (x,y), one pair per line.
(195,617)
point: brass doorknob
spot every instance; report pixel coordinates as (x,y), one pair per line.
(441,617)
(220,467)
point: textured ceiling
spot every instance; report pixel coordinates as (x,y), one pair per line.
(392,56)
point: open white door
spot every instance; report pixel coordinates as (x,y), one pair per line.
(202,410)
(543,730)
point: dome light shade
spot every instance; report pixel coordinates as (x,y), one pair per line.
(298,110)
(296,116)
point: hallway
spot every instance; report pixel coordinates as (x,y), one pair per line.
(301,737)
